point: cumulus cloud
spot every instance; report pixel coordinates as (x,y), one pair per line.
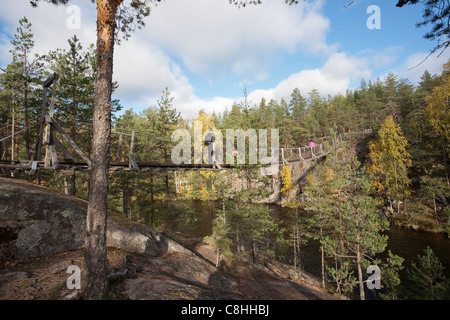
(49,25)
(142,70)
(386,57)
(332,78)
(216,40)
(190,108)
(415,65)
(212,36)
(209,37)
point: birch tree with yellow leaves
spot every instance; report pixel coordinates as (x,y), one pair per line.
(390,162)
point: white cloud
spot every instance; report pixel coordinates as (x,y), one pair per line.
(190,108)
(386,57)
(49,25)
(212,36)
(143,71)
(334,77)
(415,65)
(215,39)
(208,36)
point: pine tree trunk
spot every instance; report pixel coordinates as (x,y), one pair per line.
(360,279)
(13,128)
(323,265)
(340,222)
(296,243)
(295,250)
(217,258)
(73,132)
(358,263)
(166,178)
(97,213)
(338,282)
(299,251)
(25,105)
(17,146)
(237,231)
(322,260)
(152,201)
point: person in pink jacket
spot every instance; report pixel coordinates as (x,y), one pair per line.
(311,144)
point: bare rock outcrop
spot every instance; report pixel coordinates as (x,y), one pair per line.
(36,221)
(40,230)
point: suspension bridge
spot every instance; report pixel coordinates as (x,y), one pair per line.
(62,153)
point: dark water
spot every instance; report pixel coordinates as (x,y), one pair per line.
(409,244)
(403,242)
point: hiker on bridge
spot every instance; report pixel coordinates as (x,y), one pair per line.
(210,139)
(311,146)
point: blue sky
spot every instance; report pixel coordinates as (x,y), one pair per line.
(207,51)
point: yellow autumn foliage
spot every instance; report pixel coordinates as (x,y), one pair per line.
(437,111)
(286,181)
(390,158)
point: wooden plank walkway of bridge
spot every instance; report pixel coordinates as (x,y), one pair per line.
(287,156)
(113,166)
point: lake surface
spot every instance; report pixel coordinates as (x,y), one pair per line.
(403,242)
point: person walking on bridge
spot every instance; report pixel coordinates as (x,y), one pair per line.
(311,146)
